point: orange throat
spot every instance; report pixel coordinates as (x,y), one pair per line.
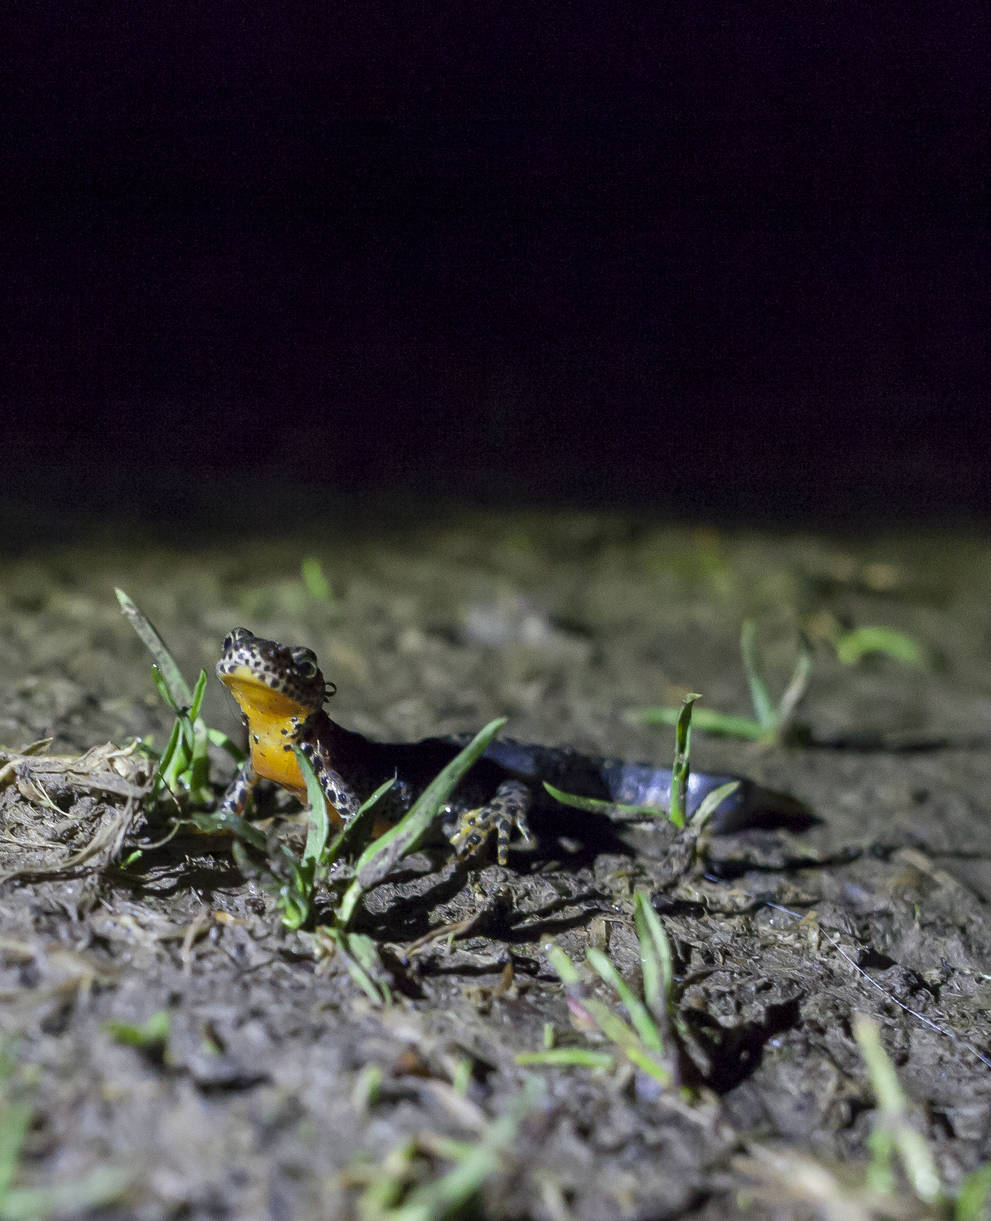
(273,719)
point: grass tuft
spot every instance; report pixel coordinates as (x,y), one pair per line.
(772,722)
(183,768)
(393,1194)
(642,1039)
(893,1135)
(895,1139)
(680,771)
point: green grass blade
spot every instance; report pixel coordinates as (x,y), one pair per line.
(852,646)
(764,709)
(199,690)
(318,824)
(625,1038)
(798,684)
(198,778)
(599,805)
(896,1127)
(361,957)
(451,1193)
(656,960)
(167,764)
(712,801)
(680,770)
(566,1057)
(148,633)
(315,581)
(974,1196)
(224,823)
(162,687)
(563,967)
(218,738)
(643,1023)
(184,767)
(152,1034)
(614,1028)
(295,897)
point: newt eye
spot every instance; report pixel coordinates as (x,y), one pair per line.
(238,635)
(305,661)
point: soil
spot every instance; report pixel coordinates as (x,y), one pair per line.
(278,1089)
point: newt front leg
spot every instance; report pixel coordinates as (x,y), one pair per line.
(506,811)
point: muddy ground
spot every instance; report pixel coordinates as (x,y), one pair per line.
(279,1090)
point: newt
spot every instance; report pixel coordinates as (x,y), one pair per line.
(282,692)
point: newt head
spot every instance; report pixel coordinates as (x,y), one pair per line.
(278,687)
(271,679)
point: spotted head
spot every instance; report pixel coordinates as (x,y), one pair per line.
(272,680)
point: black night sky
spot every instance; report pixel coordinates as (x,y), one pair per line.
(695,256)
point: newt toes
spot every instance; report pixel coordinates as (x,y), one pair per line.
(281,693)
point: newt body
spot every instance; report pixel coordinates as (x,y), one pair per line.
(282,693)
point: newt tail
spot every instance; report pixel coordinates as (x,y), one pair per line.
(281,693)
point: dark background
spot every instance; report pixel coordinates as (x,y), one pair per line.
(710,259)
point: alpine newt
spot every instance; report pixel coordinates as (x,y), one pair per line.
(282,693)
